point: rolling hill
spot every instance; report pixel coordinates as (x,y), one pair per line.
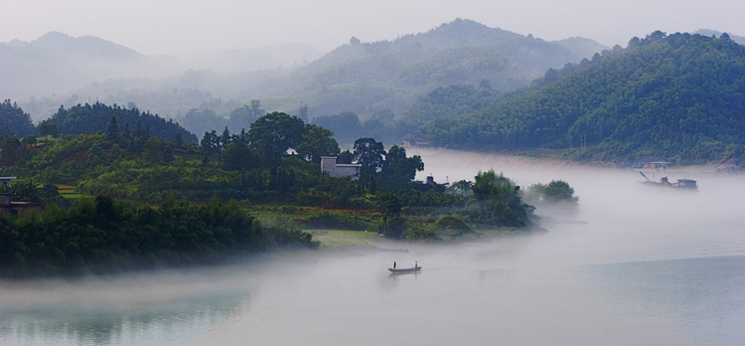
(360,77)
(368,77)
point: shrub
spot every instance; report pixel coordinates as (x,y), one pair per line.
(452,224)
(333,220)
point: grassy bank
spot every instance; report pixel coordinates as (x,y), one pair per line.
(336,239)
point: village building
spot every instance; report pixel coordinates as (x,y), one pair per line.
(414,141)
(339,170)
(5,181)
(654,162)
(8,206)
(727,167)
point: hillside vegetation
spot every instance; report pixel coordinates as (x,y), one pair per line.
(256,167)
(680,96)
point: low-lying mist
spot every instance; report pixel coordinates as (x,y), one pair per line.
(636,264)
(621,214)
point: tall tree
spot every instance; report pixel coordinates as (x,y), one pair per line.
(369,153)
(345,157)
(11,150)
(317,142)
(399,167)
(237,157)
(273,134)
(113,130)
(499,196)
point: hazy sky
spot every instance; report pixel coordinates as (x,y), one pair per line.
(178,27)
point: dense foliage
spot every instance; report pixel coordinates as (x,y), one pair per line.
(88,118)
(681,97)
(557,191)
(500,201)
(256,167)
(103,236)
(13,121)
(451,101)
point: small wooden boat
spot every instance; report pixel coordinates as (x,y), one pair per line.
(405,270)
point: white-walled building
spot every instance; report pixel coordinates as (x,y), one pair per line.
(6,180)
(339,170)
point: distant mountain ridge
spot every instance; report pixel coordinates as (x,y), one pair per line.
(392,74)
(84,47)
(57,63)
(261,58)
(364,78)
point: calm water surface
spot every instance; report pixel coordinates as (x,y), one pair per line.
(645,267)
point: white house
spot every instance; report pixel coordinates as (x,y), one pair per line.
(6,180)
(329,166)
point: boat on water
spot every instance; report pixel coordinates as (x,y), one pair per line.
(687,184)
(405,270)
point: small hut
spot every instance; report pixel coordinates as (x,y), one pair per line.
(655,162)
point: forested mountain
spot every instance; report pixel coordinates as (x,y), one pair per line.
(57,63)
(681,97)
(367,77)
(88,119)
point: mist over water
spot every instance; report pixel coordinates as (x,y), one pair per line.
(649,266)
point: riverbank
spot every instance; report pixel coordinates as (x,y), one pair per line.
(334,240)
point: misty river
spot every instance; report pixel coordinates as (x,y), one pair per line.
(637,265)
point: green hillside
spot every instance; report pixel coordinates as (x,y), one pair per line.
(681,97)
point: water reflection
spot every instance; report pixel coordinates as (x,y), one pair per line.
(170,323)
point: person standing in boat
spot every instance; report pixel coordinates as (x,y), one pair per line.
(394,264)
(416,264)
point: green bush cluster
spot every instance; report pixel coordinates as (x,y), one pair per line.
(106,235)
